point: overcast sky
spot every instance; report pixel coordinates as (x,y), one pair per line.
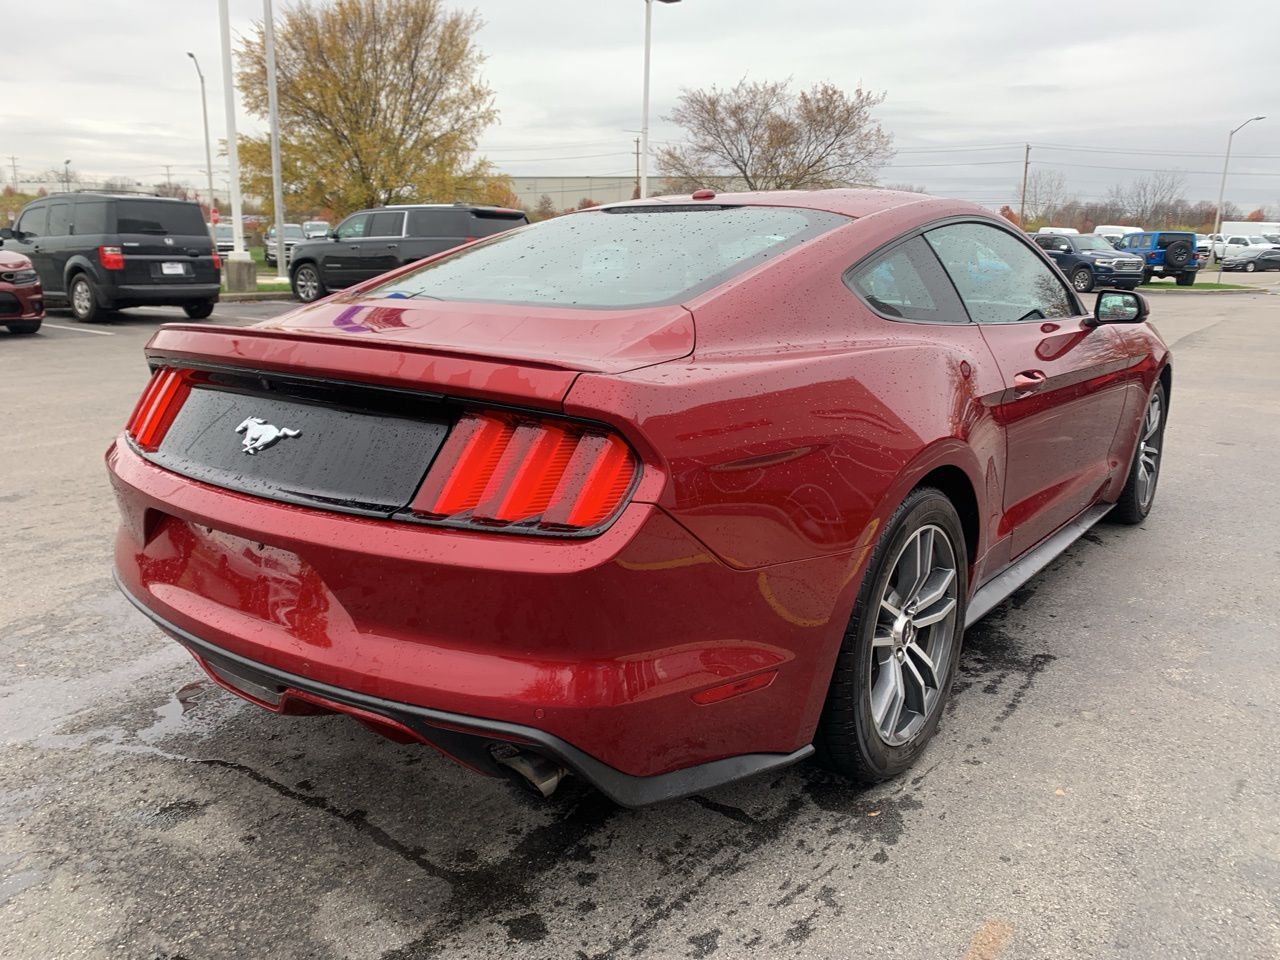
(1135,85)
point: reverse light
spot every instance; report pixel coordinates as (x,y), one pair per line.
(538,475)
(158,405)
(111,258)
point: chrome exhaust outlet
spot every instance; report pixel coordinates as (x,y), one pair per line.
(533,770)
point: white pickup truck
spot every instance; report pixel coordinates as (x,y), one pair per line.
(1229,244)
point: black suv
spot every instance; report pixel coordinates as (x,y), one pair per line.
(100,251)
(373,242)
(1089,261)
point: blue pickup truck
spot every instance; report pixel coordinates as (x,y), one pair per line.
(1089,261)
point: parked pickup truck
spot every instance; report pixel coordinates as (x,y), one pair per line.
(1090,261)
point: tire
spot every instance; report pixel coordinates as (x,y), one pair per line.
(1147,276)
(198,311)
(1137,498)
(82,296)
(851,735)
(27,326)
(1082,279)
(306,283)
(1178,254)
(1187,278)
(1250,267)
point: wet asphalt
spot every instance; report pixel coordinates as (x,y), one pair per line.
(1105,782)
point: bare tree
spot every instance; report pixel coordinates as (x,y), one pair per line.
(768,138)
(1046,192)
(906,188)
(1155,200)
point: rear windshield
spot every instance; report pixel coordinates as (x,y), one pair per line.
(623,257)
(161,217)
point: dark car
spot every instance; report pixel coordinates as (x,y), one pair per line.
(21,297)
(665,493)
(372,242)
(1089,261)
(101,252)
(1253,260)
(225,237)
(1164,253)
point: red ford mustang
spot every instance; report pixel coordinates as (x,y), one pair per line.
(663,494)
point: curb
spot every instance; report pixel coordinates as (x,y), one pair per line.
(1164,292)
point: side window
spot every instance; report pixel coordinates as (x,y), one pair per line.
(1240,240)
(59,219)
(1142,242)
(1045,243)
(999,279)
(907,283)
(387,223)
(89,218)
(32,222)
(354,227)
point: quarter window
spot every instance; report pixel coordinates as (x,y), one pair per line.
(998,277)
(354,227)
(907,283)
(91,217)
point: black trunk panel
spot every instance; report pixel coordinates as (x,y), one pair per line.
(357,450)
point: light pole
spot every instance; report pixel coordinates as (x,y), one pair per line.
(208,149)
(277,184)
(1222,190)
(66,176)
(240,272)
(644,126)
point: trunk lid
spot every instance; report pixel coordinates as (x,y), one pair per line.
(599,341)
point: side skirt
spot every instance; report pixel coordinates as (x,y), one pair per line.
(994,591)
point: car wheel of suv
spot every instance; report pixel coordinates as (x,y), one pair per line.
(901,646)
(198,311)
(306,283)
(30,326)
(1082,279)
(83,297)
(1187,278)
(1140,487)
(1250,267)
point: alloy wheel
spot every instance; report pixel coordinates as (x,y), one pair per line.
(914,636)
(308,284)
(1148,452)
(81,298)
(1082,280)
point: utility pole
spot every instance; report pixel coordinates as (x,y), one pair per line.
(13,163)
(637,168)
(1022,205)
(241,276)
(277,183)
(168,178)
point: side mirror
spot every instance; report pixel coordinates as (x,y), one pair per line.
(1119,306)
(7,234)
(333,234)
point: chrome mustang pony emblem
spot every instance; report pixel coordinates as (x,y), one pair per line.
(258,434)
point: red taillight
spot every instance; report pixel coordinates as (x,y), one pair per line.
(545,475)
(217,261)
(157,407)
(111,258)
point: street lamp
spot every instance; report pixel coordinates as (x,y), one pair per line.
(644,126)
(1217,220)
(208,150)
(240,272)
(273,113)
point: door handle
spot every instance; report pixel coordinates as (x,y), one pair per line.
(392,246)
(1028,379)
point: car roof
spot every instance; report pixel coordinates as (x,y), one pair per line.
(851,202)
(440,206)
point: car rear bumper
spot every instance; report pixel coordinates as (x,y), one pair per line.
(163,293)
(591,651)
(464,739)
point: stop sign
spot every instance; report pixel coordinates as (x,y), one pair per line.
(214,217)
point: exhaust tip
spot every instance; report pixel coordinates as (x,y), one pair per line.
(530,769)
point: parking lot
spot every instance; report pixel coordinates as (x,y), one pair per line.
(1104,785)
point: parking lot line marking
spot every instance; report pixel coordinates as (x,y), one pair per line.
(97,333)
(989,941)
